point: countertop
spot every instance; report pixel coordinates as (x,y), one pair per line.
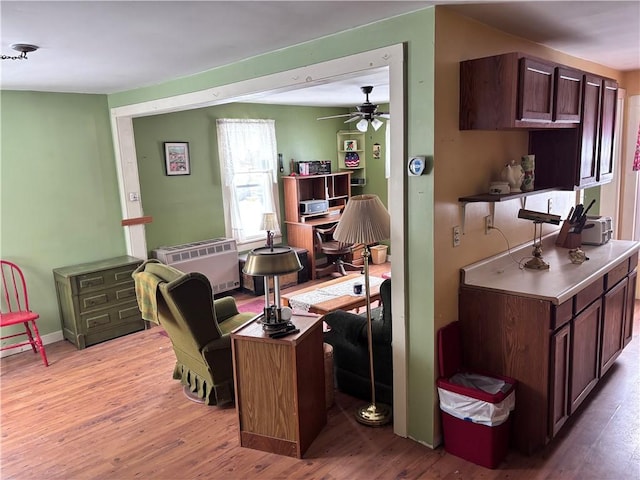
(559,283)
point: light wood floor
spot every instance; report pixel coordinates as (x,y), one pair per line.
(112,411)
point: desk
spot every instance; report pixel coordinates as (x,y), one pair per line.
(302,235)
(280,387)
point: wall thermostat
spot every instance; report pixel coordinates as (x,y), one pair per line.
(416,165)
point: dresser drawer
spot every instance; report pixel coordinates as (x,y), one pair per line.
(102,298)
(102,279)
(108,318)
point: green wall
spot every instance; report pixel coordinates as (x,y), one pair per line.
(189,208)
(59,191)
(417,32)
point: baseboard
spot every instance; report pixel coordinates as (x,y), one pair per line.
(46,339)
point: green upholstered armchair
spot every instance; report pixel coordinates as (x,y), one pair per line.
(348,336)
(197,325)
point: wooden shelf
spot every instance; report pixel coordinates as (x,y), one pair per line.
(490,198)
(493,199)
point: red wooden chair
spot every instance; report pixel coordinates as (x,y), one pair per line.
(15,309)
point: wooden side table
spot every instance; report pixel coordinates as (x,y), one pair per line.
(280,387)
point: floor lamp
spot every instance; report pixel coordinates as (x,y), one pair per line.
(366,220)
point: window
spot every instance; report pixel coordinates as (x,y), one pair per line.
(248,166)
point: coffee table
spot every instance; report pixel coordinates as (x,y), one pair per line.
(336,294)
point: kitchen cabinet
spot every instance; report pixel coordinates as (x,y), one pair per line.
(583,361)
(559,388)
(607,129)
(581,157)
(351,142)
(627,332)
(557,332)
(518,91)
(613,324)
(97,300)
(567,95)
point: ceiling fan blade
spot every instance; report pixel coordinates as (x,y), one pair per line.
(352,119)
(335,116)
(383,115)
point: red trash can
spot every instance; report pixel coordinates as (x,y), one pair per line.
(475,406)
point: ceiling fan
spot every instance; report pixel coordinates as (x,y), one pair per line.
(366,113)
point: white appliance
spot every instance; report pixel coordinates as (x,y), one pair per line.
(600,233)
(216,258)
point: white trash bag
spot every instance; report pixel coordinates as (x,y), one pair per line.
(478,411)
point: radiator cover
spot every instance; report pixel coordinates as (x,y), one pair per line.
(216,258)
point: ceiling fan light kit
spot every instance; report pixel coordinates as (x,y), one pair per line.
(362,125)
(23,48)
(367,113)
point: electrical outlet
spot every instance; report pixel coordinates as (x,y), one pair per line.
(549,205)
(488,224)
(456,236)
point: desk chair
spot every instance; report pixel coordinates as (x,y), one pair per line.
(336,252)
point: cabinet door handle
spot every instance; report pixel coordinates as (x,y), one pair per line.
(535,70)
(564,77)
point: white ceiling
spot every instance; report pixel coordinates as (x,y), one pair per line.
(109,46)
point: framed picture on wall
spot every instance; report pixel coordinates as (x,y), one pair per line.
(176,158)
(350,145)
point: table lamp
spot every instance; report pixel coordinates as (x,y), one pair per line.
(270,224)
(366,220)
(271,262)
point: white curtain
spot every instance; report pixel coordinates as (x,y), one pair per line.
(248,164)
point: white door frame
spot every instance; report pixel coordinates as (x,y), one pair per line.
(391,57)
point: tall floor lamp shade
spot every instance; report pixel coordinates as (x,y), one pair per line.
(366,220)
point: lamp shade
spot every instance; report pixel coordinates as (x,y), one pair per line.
(271,261)
(362,125)
(269,222)
(364,220)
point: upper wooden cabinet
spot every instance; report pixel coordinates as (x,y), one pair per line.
(581,157)
(607,129)
(567,95)
(517,91)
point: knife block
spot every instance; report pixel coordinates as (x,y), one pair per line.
(566,239)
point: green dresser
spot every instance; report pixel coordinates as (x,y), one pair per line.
(97,300)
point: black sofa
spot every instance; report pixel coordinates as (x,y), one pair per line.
(348,336)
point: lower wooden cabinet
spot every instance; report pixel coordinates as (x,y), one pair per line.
(583,364)
(557,353)
(97,300)
(613,324)
(627,333)
(559,388)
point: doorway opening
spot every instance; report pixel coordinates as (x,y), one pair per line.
(391,57)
